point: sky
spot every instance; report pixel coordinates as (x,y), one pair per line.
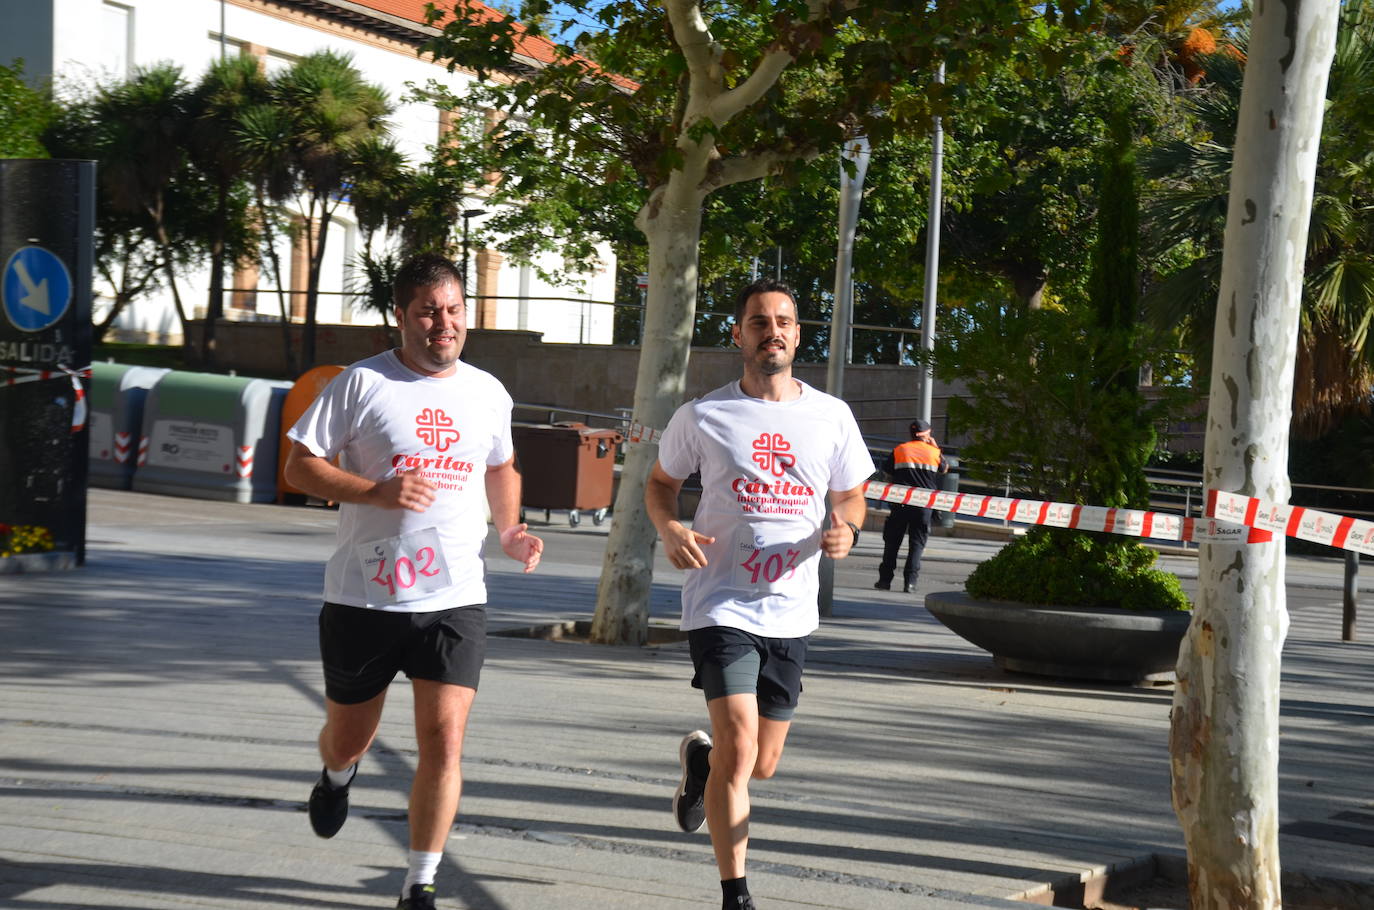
(583,23)
(562,12)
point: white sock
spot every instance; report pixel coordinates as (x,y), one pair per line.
(422,868)
(341,778)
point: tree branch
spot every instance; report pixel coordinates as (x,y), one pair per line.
(699,48)
(764,76)
(753,167)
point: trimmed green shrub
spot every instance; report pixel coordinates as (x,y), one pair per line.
(1075,568)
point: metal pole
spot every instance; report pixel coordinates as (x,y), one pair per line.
(221,29)
(851,192)
(1352,590)
(937,154)
(466,275)
(468,215)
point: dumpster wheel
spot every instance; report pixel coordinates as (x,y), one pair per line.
(574,517)
(599,516)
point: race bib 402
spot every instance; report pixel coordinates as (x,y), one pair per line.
(401,569)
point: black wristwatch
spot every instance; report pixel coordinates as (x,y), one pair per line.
(855,528)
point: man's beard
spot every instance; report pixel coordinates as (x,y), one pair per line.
(770,366)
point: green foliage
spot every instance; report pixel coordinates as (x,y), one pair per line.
(376,276)
(1023,161)
(1037,412)
(591,136)
(317,134)
(1334,375)
(229,87)
(25,113)
(154,211)
(1075,568)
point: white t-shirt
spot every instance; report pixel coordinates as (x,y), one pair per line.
(382,417)
(765,469)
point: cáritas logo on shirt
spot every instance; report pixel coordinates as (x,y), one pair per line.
(435,428)
(773,454)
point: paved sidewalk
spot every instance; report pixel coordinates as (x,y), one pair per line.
(158,710)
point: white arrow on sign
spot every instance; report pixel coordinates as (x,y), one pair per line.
(35,295)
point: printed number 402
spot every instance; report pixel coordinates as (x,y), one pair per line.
(774,568)
(404,574)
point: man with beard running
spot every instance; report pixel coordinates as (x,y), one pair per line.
(769,449)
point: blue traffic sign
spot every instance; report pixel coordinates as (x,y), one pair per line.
(37,289)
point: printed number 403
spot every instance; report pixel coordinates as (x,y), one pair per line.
(405,573)
(773,568)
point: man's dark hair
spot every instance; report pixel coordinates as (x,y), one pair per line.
(426,270)
(763,286)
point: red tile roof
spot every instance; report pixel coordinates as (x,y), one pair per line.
(538,49)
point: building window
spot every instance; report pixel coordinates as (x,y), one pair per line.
(117,48)
(224,45)
(275,61)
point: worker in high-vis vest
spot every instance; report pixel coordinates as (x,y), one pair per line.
(917,463)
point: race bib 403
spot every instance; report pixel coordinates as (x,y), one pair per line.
(762,566)
(400,569)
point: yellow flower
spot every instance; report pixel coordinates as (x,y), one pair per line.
(24,538)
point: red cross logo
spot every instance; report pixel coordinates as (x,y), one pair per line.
(770,453)
(435,428)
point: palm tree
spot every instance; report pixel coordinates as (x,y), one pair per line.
(378,189)
(381,193)
(231,86)
(325,114)
(142,127)
(265,132)
(1335,367)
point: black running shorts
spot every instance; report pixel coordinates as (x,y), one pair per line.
(734,662)
(363,649)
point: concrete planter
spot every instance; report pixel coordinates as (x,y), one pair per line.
(1102,643)
(55,561)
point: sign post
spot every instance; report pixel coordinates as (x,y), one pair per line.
(47,224)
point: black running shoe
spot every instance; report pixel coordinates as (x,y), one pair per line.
(421,898)
(689,801)
(883,585)
(328,806)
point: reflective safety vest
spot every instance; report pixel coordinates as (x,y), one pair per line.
(917,464)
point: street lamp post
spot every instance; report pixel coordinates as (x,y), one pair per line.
(932,259)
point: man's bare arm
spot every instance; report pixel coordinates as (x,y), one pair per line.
(318,476)
(681,545)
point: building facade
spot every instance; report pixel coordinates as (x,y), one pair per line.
(83,43)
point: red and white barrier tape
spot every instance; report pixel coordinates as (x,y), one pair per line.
(18,375)
(1127,522)
(638,432)
(1339,531)
(1231,518)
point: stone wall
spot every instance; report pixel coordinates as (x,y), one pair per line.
(576,377)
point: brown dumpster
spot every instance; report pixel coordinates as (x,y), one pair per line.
(566,466)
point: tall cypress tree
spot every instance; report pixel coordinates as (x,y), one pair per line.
(1114,300)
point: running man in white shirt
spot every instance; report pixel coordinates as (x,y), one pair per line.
(769,449)
(421,437)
